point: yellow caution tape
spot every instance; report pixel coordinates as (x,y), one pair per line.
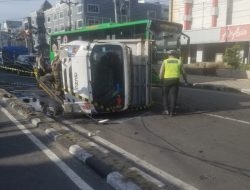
(15,69)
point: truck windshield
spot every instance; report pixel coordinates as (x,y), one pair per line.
(107,71)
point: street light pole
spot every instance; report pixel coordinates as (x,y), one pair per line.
(69,3)
(129,10)
(115,7)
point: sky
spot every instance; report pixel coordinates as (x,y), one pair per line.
(18,9)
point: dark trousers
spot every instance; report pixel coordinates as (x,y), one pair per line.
(170,92)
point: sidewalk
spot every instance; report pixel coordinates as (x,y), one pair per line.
(221,84)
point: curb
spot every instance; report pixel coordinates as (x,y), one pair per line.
(35,121)
(211,87)
(114,178)
(52,133)
(215,88)
(118,171)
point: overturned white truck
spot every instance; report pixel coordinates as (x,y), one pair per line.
(105,76)
(108,67)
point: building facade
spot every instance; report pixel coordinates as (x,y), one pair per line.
(214,25)
(9,33)
(91,12)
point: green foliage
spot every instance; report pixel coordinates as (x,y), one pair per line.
(245,66)
(232,56)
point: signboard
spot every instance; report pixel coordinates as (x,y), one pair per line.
(235,33)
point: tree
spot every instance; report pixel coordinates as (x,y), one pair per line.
(43,46)
(41,33)
(232,56)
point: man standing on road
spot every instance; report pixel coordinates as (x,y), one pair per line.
(54,79)
(40,64)
(57,73)
(170,72)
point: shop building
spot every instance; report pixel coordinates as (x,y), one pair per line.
(213,25)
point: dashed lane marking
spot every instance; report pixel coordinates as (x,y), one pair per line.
(79,182)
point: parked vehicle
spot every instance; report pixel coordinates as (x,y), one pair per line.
(10,53)
(26,61)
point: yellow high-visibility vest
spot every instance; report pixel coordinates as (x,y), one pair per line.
(172,67)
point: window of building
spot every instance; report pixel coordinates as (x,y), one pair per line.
(49,30)
(55,16)
(56,29)
(151,14)
(79,9)
(93,21)
(93,8)
(62,28)
(48,19)
(61,15)
(79,23)
(26,26)
(124,12)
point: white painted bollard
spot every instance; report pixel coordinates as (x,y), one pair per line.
(79,152)
(35,121)
(117,181)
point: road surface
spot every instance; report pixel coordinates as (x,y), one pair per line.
(206,145)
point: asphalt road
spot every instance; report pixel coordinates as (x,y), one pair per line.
(29,160)
(25,166)
(205,145)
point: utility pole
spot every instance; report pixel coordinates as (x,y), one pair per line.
(170,15)
(69,3)
(30,44)
(202,15)
(115,7)
(129,10)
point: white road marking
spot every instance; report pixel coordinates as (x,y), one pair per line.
(139,161)
(79,182)
(228,118)
(148,177)
(98,147)
(246,91)
(143,163)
